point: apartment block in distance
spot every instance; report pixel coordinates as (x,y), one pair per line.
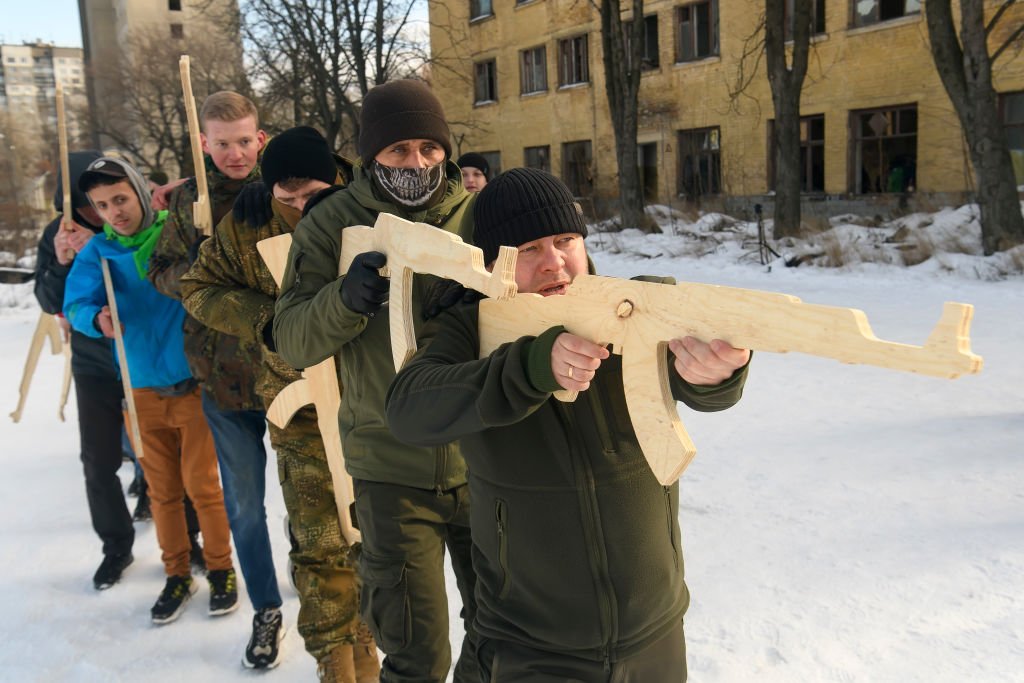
(523,82)
(29,74)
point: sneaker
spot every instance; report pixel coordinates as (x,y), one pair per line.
(195,555)
(264,648)
(143,511)
(110,570)
(171,602)
(135,487)
(223,591)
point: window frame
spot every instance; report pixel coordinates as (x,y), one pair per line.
(818,16)
(544,150)
(570,58)
(713,155)
(541,69)
(714,45)
(477,9)
(858,119)
(875,18)
(570,175)
(490,69)
(807,149)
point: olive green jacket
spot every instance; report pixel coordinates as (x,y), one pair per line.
(576,544)
(312,323)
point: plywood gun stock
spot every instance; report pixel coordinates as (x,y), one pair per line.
(420,248)
(319,387)
(639,318)
(46,328)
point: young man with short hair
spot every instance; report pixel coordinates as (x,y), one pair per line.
(475,171)
(411,505)
(231,289)
(178,456)
(576,544)
(226,365)
(97,388)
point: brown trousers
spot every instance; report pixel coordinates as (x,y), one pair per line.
(178,458)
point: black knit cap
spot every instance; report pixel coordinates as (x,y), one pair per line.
(522,205)
(474,160)
(299,152)
(401,110)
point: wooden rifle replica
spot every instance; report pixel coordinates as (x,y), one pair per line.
(122,359)
(410,248)
(202,211)
(47,327)
(638,319)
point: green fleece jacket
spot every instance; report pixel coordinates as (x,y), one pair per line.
(576,544)
(311,323)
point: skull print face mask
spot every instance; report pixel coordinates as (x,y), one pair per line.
(411,187)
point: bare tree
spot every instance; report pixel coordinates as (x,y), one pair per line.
(314,60)
(786,78)
(965,67)
(144,113)
(622,42)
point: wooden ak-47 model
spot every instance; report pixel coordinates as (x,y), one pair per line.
(202,210)
(46,328)
(638,319)
(410,248)
(122,359)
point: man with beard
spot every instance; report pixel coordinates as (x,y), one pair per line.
(411,503)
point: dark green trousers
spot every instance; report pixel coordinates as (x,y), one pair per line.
(401,563)
(663,662)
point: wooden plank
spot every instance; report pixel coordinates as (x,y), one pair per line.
(202,210)
(122,359)
(46,328)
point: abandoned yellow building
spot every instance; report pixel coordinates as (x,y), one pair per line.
(523,83)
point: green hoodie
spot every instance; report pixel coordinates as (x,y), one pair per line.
(311,324)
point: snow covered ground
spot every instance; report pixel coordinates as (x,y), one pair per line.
(842,523)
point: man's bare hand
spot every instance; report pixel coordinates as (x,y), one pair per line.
(574,360)
(70,239)
(161,195)
(703,364)
(106,322)
(65,328)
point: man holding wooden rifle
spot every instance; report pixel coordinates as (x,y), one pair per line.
(97,387)
(178,448)
(578,551)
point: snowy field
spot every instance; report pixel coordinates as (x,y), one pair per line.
(842,523)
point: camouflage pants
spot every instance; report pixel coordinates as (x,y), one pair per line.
(324,573)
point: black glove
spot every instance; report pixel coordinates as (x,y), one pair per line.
(444,294)
(364,290)
(193,249)
(252,205)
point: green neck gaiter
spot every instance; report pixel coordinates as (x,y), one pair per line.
(142,242)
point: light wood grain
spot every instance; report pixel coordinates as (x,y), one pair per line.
(122,359)
(46,329)
(202,210)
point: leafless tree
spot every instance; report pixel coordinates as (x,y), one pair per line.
(965,64)
(144,113)
(313,60)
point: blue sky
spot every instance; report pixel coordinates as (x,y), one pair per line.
(53,21)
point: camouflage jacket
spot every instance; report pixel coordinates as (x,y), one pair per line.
(230,289)
(224,363)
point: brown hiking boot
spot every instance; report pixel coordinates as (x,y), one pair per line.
(365,656)
(337,666)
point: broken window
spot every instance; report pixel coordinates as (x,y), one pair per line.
(867,12)
(700,162)
(884,149)
(576,171)
(647,156)
(649,58)
(480,8)
(812,153)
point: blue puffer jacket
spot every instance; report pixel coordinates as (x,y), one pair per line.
(153,337)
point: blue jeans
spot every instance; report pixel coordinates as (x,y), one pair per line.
(238,439)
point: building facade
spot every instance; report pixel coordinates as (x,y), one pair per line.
(29,74)
(523,82)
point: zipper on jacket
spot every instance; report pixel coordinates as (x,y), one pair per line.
(603,420)
(501,518)
(598,560)
(668,514)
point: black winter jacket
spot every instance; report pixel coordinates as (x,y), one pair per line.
(93,357)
